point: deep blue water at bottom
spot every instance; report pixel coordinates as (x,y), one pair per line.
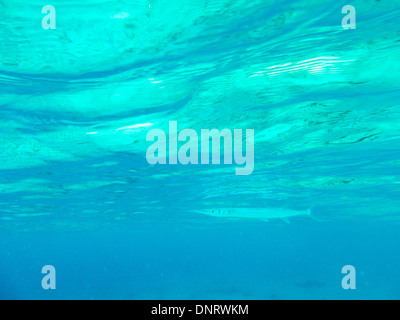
(162,261)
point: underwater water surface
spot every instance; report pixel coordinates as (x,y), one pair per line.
(76,189)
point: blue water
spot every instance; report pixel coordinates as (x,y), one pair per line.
(76,189)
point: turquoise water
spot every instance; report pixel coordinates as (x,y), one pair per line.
(77,192)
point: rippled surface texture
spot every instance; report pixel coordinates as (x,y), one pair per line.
(76,190)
